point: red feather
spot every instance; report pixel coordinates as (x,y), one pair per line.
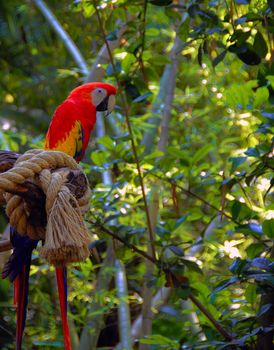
(64,120)
(62,290)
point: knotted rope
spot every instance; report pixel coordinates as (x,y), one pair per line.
(65,236)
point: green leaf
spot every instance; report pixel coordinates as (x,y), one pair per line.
(219,58)
(268,228)
(240,211)
(261,96)
(261,263)
(176,250)
(88,9)
(239,95)
(201,153)
(142,97)
(99,157)
(224,284)
(260,45)
(177,152)
(246,53)
(238,265)
(264,309)
(253,229)
(127,62)
(192,265)
(180,221)
(183,292)
(254,249)
(183,30)
(123,137)
(112,35)
(152,32)
(270,78)
(159,60)
(253,152)
(251,293)
(158,339)
(236,162)
(153,155)
(107,142)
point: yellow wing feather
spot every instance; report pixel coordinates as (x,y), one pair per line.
(71,143)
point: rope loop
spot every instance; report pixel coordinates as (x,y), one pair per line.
(65,235)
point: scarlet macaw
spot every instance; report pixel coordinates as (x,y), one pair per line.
(69,131)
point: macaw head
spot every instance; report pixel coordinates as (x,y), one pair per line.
(101,95)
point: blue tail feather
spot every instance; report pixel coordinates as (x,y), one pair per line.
(22,251)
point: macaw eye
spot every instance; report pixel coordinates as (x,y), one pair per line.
(99,91)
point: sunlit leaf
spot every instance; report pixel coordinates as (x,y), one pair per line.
(261,96)
(268,228)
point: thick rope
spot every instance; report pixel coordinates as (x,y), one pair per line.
(65,235)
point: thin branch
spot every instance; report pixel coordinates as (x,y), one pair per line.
(68,42)
(134,149)
(192,194)
(215,323)
(96,72)
(140,57)
(122,240)
(144,28)
(5,245)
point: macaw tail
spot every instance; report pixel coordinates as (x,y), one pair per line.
(21,290)
(61,276)
(17,269)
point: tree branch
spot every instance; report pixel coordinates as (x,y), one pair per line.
(123,307)
(122,240)
(63,35)
(215,323)
(5,245)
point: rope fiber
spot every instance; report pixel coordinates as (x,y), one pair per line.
(65,235)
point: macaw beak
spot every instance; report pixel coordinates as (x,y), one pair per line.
(107,105)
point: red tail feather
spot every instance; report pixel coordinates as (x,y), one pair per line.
(20,301)
(16,289)
(62,291)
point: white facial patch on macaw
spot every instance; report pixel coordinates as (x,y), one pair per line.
(98,96)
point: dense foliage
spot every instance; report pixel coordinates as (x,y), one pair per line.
(195,104)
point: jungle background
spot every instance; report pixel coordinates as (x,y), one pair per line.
(182,210)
